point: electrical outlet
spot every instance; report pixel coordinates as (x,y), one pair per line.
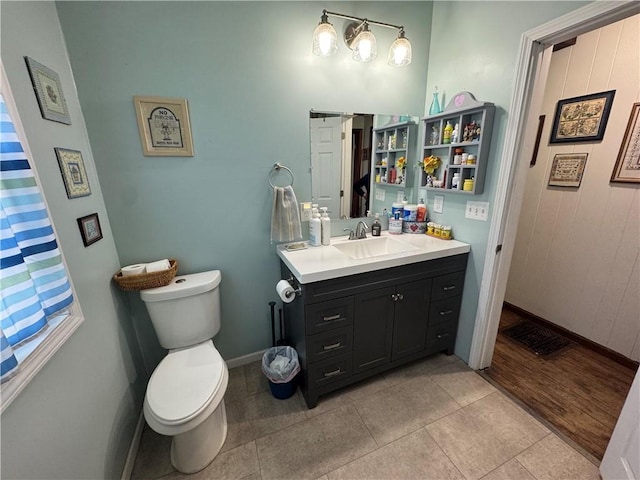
(438,203)
(305,211)
(400,196)
(380,194)
(477,211)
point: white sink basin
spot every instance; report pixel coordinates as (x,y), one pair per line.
(372,247)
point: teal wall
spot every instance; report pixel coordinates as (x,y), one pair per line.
(474,47)
(247,71)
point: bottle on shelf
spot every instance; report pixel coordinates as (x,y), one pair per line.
(455,181)
(325,223)
(446,133)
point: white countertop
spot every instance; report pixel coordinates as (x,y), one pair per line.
(322,263)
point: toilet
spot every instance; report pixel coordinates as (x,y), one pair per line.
(184,397)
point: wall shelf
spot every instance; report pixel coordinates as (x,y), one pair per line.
(474,120)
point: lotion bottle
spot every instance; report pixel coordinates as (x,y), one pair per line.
(422,212)
(326,227)
(315,229)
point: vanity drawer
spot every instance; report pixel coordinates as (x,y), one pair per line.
(447,286)
(330,370)
(441,336)
(445,311)
(329,344)
(321,317)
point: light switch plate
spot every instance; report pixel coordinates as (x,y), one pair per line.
(305,211)
(477,211)
(380,194)
(438,203)
(400,196)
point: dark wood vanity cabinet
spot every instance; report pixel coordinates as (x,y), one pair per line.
(349,328)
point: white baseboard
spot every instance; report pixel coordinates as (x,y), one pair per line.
(245,359)
(133,449)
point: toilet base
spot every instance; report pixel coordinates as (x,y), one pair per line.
(192,451)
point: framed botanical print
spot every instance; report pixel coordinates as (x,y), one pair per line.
(73,172)
(48,89)
(582,119)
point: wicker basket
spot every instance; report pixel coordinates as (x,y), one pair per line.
(143,281)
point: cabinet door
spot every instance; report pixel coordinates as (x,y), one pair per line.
(372,327)
(411,318)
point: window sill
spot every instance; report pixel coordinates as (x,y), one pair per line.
(49,344)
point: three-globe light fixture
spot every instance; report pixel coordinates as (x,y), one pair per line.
(360,40)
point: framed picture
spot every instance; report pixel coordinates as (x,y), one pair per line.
(90,229)
(73,172)
(627,167)
(582,119)
(164,126)
(46,84)
(567,169)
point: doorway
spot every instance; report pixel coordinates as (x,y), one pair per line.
(532,70)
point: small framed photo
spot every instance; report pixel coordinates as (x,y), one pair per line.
(46,84)
(163,124)
(627,167)
(73,172)
(582,119)
(90,229)
(567,169)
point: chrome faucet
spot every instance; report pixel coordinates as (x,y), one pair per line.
(361,229)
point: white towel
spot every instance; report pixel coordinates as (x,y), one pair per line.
(285,216)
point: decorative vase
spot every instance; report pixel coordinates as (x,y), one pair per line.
(435,104)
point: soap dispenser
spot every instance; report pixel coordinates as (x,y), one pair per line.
(376,227)
(326,227)
(421,215)
(315,229)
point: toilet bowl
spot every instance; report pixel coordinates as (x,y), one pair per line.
(184,397)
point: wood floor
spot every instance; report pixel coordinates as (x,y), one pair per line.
(576,390)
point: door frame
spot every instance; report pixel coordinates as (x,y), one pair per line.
(530,76)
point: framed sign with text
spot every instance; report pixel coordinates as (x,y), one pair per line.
(164,126)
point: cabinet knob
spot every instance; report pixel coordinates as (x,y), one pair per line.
(442,335)
(333,374)
(332,347)
(446,312)
(397,296)
(331,318)
(450,287)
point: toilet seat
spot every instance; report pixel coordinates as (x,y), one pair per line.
(185,384)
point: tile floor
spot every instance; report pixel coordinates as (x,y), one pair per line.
(432,419)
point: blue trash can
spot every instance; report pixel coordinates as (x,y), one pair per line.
(281,367)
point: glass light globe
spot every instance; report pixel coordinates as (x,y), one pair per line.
(400,52)
(364,46)
(325,40)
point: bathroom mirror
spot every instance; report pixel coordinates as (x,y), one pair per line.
(340,145)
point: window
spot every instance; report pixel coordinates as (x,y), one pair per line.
(37,312)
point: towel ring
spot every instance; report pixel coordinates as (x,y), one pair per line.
(277,167)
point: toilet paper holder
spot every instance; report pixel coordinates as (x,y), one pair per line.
(297,289)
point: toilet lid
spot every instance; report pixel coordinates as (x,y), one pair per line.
(184,382)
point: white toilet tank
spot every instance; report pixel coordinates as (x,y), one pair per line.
(187,311)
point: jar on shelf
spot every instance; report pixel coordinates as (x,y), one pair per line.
(468,185)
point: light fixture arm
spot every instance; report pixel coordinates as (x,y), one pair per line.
(363,20)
